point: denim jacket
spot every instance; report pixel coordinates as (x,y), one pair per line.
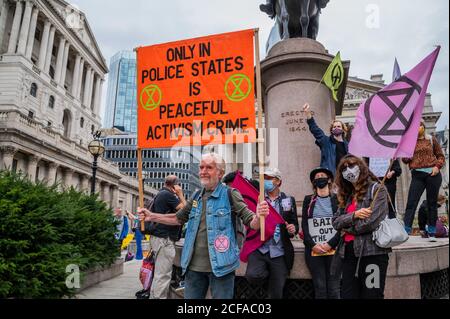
(222,245)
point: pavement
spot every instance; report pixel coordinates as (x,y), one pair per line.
(120,287)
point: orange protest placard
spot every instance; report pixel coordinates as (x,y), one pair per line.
(196,92)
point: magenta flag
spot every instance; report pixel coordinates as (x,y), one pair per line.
(387,123)
(253,238)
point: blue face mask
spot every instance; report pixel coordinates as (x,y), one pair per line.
(268,186)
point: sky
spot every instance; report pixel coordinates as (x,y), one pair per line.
(369,33)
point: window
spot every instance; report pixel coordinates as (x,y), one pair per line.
(51,102)
(82,122)
(30,114)
(33,89)
(92,129)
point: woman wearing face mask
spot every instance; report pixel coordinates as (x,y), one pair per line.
(332,147)
(318,210)
(425,167)
(364,264)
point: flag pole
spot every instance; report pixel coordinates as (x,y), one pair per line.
(382,183)
(261,144)
(141,186)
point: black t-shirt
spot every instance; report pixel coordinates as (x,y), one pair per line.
(166,203)
(340,150)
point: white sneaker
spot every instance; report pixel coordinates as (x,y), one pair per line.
(432,239)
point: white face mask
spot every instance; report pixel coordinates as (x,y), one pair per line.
(351,174)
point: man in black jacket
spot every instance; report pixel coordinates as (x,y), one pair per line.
(275,258)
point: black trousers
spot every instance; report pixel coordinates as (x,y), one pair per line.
(391,186)
(261,267)
(420,182)
(326,286)
(371,275)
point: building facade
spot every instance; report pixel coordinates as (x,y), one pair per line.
(121,95)
(120,148)
(51,77)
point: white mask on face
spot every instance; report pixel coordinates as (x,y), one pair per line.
(351,174)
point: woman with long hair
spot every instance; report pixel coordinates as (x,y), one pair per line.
(364,264)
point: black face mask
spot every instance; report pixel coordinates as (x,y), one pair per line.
(320,182)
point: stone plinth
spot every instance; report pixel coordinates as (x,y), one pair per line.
(291,74)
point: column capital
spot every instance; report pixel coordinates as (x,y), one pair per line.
(8,150)
(53,165)
(34,159)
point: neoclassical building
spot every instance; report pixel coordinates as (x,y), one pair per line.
(51,77)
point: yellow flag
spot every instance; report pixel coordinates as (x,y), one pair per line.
(334,75)
(127,240)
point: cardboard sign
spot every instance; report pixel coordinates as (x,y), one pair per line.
(321,229)
(379,166)
(197,91)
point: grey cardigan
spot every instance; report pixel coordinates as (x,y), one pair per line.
(363,244)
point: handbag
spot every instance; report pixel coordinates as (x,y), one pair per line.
(391,232)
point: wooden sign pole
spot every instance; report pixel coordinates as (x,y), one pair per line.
(141,186)
(260,140)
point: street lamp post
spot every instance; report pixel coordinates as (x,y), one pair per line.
(96,148)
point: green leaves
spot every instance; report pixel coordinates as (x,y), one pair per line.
(42,231)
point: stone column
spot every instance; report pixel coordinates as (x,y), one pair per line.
(97,95)
(76,74)
(32,165)
(44,43)
(98,188)
(3,15)
(91,87)
(23,37)
(31,34)
(15,28)
(86,86)
(292,70)
(49,51)
(64,64)
(85,185)
(8,156)
(115,196)
(68,176)
(51,174)
(59,59)
(80,80)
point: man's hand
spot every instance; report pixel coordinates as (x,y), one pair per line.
(390,174)
(307,111)
(262,210)
(145,214)
(435,171)
(318,249)
(177,190)
(363,213)
(290,228)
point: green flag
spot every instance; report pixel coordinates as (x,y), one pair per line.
(334,75)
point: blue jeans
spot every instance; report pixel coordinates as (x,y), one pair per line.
(197,283)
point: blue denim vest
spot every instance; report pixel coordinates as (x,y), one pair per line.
(219,226)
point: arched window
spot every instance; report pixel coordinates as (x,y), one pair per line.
(33,89)
(82,122)
(51,102)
